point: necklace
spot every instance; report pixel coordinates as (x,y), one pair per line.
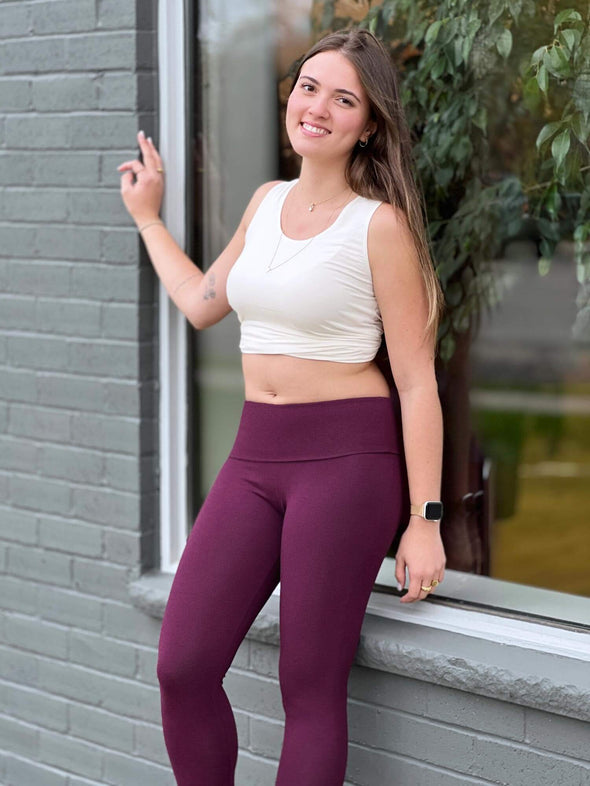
(312,205)
(309,242)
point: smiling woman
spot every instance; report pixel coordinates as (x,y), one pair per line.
(311,275)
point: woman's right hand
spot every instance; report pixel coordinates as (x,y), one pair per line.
(143,198)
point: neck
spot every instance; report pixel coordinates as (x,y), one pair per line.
(319,181)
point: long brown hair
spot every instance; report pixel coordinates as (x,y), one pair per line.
(383,169)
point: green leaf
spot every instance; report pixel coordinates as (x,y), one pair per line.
(531,94)
(480,118)
(580,128)
(546,133)
(432,31)
(544,266)
(560,146)
(569,38)
(543,78)
(537,55)
(566,15)
(504,43)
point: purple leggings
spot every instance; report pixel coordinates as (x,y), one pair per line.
(311,494)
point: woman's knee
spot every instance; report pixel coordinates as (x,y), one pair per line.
(193,668)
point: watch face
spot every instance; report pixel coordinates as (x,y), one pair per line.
(433,511)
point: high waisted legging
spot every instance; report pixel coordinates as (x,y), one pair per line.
(310,495)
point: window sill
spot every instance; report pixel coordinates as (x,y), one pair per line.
(523,662)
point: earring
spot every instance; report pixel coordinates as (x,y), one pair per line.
(363,144)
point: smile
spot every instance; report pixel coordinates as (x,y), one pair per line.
(314,129)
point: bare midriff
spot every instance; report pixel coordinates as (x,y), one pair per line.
(283,379)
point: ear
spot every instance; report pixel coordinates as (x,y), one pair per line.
(370,129)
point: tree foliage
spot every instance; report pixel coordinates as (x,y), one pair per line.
(497,94)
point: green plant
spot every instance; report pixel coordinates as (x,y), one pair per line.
(497,94)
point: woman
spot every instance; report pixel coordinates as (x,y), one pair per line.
(311,492)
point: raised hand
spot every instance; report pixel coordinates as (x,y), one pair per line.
(142,184)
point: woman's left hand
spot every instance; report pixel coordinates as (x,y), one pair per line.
(421,551)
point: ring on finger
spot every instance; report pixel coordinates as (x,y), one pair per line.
(159,169)
(426,589)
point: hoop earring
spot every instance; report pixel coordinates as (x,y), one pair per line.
(361,144)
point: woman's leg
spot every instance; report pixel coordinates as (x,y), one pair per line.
(229,568)
(340,519)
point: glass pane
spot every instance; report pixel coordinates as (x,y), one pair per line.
(246,49)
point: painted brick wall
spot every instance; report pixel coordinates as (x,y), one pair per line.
(78,697)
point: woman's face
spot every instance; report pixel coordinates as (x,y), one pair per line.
(328,110)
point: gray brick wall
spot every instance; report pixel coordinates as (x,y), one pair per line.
(78,434)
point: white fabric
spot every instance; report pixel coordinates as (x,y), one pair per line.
(318,305)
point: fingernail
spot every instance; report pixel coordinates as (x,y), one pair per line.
(150,140)
(400,586)
(141,134)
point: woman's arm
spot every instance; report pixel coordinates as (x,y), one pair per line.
(401,297)
(200,296)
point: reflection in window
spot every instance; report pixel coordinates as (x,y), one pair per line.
(517,394)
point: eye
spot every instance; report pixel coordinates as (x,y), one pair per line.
(346,100)
(305,85)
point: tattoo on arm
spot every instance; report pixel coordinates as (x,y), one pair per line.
(210,292)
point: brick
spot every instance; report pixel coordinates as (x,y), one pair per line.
(254,694)
(95,577)
(70,536)
(121,547)
(147,660)
(32,706)
(106,283)
(265,736)
(564,736)
(17,525)
(254,771)
(94,206)
(104,130)
(76,243)
(105,506)
(70,754)
(59,390)
(102,52)
(39,278)
(17,312)
(15,19)
(36,635)
(19,666)
(18,737)
(18,595)
(33,55)
(63,16)
(113,359)
(17,455)
(18,385)
(68,318)
(109,432)
(39,132)
(64,93)
(73,682)
(69,463)
(20,772)
(147,94)
(149,743)
(18,204)
(512,764)
(101,728)
(129,398)
(127,623)
(101,653)
(35,493)
(111,15)
(133,699)
(123,472)
(64,169)
(121,770)
(47,567)
(120,245)
(38,423)
(15,94)
(115,91)
(70,608)
(38,352)
(18,241)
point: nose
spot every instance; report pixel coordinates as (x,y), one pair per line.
(319,106)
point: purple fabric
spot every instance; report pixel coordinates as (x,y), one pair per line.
(311,494)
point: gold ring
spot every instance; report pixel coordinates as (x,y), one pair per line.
(426,589)
(159,169)
(435,582)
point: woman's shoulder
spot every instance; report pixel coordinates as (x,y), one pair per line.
(257,198)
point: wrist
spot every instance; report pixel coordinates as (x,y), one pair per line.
(146,218)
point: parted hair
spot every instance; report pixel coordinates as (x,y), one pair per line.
(383,169)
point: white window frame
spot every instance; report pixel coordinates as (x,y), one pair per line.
(173,408)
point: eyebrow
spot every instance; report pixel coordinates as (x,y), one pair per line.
(338,90)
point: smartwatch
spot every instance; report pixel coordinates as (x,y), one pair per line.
(431,511)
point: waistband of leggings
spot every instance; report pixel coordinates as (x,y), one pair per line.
(317,429)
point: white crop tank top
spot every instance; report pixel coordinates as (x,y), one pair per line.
(317,302)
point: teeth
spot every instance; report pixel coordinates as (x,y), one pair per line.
(314,129)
